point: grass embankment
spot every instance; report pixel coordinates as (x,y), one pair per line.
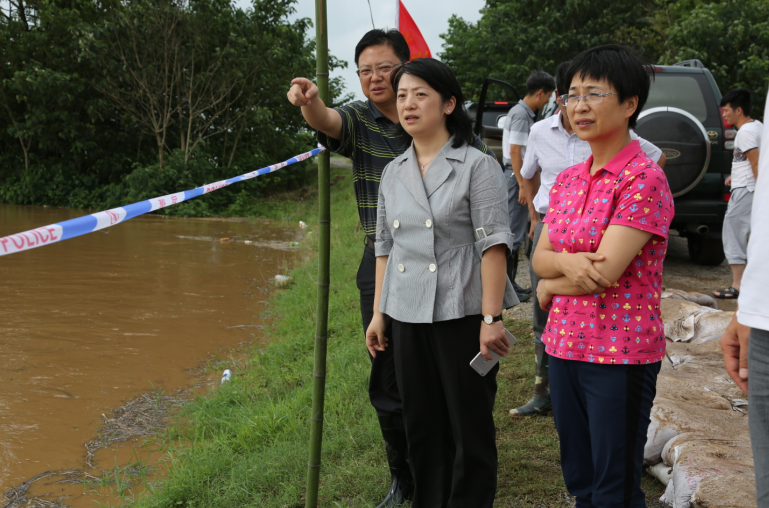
(246,444)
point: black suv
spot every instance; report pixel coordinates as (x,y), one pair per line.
(683,118)
(489,119)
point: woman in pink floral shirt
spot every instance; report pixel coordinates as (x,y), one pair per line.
(601,265)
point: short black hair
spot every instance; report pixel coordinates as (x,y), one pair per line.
(737,98)
(560,78)
(621,67)
(378,37)
(441,79)
(539,80)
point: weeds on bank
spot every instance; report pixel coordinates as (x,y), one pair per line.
(121,480)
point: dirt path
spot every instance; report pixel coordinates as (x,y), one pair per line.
(681,273)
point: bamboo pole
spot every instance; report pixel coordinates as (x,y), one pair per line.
(324,246)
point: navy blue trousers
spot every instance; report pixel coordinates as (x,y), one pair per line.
(602,415)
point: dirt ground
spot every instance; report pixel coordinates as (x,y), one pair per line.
(679,273)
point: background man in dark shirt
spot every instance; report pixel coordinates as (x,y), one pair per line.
(366,133)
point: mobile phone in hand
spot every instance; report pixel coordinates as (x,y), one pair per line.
(510,337)
(482,366)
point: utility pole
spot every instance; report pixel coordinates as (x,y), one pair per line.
(324,247)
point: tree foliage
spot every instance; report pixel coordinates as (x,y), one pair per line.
(731,38)
(514,37)
(104,102)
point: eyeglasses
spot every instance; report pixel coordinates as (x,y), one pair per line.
(591,98)
(382,70)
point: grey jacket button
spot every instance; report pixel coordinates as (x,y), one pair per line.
(396,225)
(429,223)
(432,267)
(401,268)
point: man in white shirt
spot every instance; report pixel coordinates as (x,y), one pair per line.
(552,146)
(515,134)
(746,341)
(736,111)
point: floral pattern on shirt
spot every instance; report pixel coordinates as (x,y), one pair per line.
(623,324)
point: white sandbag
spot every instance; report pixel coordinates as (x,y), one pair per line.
(658,435)
(694,394)
(678,359)
(681,318)
(692,296)
(711,463)
(711,326)
(725,491)
(698,440)
(661,472)
(695,372)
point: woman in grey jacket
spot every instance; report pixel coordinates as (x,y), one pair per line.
(442,240)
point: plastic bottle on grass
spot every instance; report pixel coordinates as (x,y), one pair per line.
(282,281)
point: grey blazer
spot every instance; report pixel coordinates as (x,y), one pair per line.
(435,231)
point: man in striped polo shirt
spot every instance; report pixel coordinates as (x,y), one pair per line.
(366,133)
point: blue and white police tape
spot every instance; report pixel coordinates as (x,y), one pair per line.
(53,233)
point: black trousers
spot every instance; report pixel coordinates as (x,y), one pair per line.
(382,386)
(602,415)
(447,411)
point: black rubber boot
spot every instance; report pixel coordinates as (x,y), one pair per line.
(540,401)
(524,294)
(402,487)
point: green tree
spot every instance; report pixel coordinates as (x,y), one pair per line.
(94,95)
(56,133)
(514,37)
(178,67)
(731,38)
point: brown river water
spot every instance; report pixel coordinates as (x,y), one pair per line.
(90,323)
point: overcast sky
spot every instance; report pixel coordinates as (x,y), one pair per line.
(348,20)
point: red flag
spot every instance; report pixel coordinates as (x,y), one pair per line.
(405,24)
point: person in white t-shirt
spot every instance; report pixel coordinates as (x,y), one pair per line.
(746,341)
(736,110)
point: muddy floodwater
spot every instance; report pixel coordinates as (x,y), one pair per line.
(90,323)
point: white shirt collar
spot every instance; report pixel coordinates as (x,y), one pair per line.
(556,123)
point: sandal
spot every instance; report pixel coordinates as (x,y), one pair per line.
(727,294)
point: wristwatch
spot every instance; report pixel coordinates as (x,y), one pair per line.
(488,318)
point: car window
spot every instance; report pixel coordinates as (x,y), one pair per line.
(690,92)
(490,118)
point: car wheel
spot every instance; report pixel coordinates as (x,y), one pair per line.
(706,251)
(683,140)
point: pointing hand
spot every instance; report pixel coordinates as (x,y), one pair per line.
(302,92)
